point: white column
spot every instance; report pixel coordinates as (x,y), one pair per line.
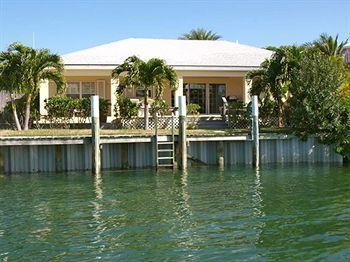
(246,89)
(114,86)
(43,95)
(179,91)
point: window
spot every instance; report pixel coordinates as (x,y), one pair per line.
(140,92)
(86,89)
(73,89)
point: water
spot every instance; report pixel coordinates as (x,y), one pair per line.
(294,213)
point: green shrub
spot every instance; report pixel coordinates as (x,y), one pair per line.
(125,108)
(239,114)
(193,109)
(159,106)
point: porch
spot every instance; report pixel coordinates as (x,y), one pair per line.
(205,88)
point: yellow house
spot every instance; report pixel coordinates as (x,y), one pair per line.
(207,70)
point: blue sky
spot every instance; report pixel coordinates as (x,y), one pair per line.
(69,25)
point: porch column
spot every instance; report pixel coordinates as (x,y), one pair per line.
(43,95)
(114,86)
(179,91)
(246,90)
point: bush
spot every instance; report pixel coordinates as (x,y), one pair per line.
(193,109)
(61,109)
(239,114)
(125,108)
(159,106)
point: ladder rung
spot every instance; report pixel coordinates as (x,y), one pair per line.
(165,165)
(165,150)
(165,143)
(165,157)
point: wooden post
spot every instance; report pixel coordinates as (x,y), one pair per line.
(255,131)
(182,133)
(95,131)
(220,154)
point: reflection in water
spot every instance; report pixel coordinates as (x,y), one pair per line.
(278,213)
(258,205)
(98,207)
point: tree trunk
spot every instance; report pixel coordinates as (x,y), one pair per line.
(27,114)
(280,117)
(145,112)
(15,116)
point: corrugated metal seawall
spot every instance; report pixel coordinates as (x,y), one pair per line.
(291,150)
(66,157)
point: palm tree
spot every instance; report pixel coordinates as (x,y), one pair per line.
(271,82)
(33,66)
(329,45)
(11,80)
(154,73)
(200,34)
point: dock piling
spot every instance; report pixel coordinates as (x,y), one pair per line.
(255,131)
(95,134)
(182,133)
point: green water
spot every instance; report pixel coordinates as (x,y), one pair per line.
(294,213)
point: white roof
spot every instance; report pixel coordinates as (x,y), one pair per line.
(178,53)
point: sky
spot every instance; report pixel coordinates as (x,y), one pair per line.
(69,25)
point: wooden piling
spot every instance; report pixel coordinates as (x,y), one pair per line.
(255,131)
(95,134)
(220,154)
(182,133)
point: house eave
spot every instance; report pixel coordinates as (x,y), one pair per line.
(176,67)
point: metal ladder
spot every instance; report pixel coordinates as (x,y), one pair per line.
(165,150)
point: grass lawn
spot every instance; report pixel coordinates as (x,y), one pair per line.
(136,132)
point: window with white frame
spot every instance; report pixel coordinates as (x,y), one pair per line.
(79,89)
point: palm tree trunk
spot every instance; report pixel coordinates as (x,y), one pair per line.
(27,113)
(15,116)
(145,112)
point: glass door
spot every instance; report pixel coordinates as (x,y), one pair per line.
(196,94)
(216,92)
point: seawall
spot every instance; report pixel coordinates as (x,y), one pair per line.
(60,154)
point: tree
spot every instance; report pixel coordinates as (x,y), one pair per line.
(200,34)
(271,82)
(328,45)
(11,80)
(33,67)
(154,73)
(317,103)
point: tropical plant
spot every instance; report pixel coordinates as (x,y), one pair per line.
(271,82)
(200,34)
(154,73)
(193,109)
(126,108)
(23,68)
(317,104)
(160,107)
(328,45)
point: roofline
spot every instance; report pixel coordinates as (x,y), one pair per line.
(176,67)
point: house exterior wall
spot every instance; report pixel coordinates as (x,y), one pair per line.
(53,90)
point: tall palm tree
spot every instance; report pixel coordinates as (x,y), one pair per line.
(154,73)
(200,34)
(11,80)
(329,45)
(33,66)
